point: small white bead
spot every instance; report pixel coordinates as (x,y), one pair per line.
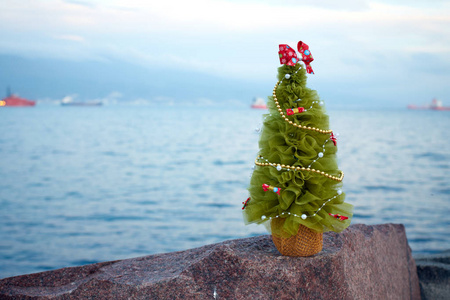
(263,217)
(278,168)
(321,103)
(320,154)
(303,216)
(287,76)
(339,191)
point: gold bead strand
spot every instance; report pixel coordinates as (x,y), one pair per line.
(280,167)
(323,131)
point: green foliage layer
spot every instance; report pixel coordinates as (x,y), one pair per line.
(302,192)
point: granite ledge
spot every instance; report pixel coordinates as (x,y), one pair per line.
(363,262)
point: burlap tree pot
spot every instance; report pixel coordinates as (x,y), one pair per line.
(306,242)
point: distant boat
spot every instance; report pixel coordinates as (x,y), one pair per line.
(259,103)
(435,105)
(14,100)
(68,101)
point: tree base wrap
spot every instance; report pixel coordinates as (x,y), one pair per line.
(306,242)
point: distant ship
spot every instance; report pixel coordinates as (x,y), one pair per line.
(68,101)
(435,105)
(14,100)
(259,103)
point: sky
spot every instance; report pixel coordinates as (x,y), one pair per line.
(367,53)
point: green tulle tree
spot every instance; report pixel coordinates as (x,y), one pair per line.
(296,181)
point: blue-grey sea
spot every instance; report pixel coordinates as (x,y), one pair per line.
(80,185)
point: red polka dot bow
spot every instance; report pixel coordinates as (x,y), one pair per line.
(289,57)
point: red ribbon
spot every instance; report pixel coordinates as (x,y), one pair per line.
(293,111)
(267,187)
(245,203)
(339,217)
(289,57)
(333,138)
(306,56)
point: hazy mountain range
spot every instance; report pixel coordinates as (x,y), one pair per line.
(46,79)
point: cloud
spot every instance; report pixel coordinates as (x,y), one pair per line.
(182,27)
(352,41)
(70,37)
(348,5)
(89,4)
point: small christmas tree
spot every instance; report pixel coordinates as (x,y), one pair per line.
(296,186)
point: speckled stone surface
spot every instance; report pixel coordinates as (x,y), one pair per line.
(363,262)
(434,275)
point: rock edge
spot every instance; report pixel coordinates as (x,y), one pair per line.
(363,262)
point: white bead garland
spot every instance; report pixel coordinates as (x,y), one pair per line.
(287,76)
(320,154)
(304,216)
(324,131)
(306,109)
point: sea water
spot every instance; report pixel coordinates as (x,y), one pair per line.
(80,185)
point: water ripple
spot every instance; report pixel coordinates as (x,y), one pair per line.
(120,182)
